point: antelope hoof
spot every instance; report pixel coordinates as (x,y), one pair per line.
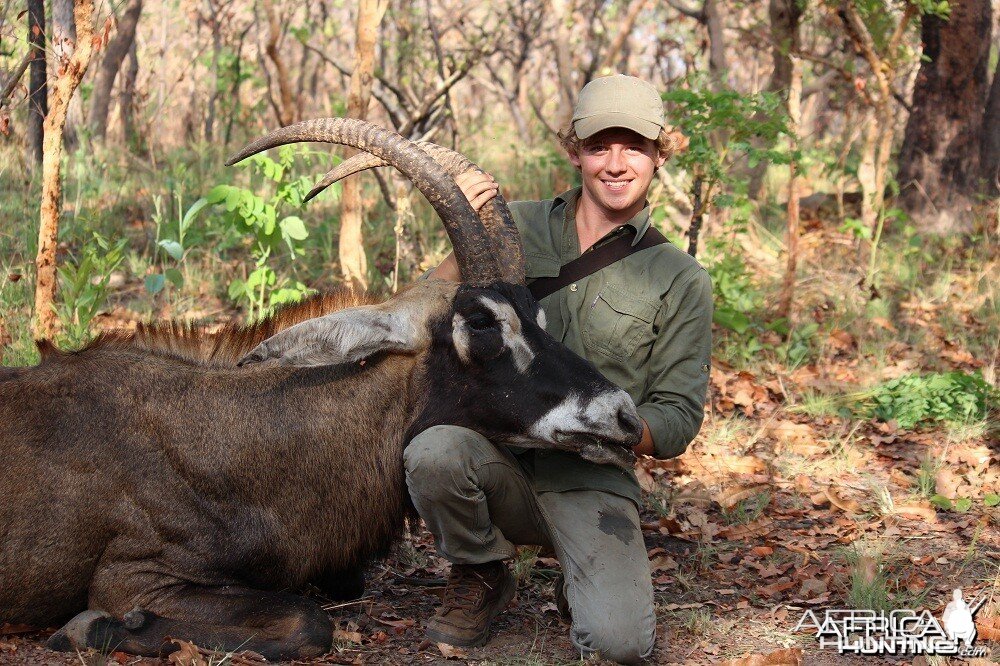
(89,629)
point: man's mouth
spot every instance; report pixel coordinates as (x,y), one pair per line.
(616,185)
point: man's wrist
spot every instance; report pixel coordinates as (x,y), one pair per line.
(645,446)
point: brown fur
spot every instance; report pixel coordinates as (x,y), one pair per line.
(223,348)
(128,465)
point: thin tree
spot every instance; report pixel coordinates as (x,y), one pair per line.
(62,89)
(38,104)
(787,295)
(284,107)
(127,95)
(353,263)
(63,45)
(939,162)
(784,19)
(990,155)
(114,55)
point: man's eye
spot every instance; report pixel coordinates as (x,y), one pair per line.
(479,322)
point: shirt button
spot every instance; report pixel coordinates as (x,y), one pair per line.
(573,287)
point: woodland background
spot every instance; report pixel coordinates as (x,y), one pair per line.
(841,187)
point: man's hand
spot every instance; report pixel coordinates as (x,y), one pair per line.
(478,187)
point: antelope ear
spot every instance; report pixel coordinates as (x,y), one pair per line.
(341,337)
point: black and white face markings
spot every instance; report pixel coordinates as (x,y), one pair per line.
(563,401)
(469,332)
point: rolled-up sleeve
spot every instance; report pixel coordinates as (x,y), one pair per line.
(678,368)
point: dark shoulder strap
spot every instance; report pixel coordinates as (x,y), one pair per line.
(592,261)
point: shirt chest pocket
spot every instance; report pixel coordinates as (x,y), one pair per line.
(619,323)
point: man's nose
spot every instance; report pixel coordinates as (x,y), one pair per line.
(616,161)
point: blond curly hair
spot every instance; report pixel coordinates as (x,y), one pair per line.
(670,141)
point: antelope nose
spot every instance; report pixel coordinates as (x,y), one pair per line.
(629,421)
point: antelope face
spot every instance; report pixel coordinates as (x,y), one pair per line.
(495,370)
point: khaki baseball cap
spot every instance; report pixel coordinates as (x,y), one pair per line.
(618,101)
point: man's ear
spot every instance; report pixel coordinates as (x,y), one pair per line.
(341,337)
(573,156)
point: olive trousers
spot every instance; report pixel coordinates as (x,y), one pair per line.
(477,502)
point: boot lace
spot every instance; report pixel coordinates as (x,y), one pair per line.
(466,589)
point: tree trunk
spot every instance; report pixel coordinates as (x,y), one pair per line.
(785,16)
(61,93)
(787,295)
(353,263)
(114,55)
(286,107)
(717,66)
(63,46)
(127,97)
(617,46)
(939,161)
(214,95)
(990,158)
(38,104)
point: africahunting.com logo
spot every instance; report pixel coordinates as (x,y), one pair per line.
(899,632)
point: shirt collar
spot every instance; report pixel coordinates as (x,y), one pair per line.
(640,221)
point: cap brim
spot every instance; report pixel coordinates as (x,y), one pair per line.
(588,127)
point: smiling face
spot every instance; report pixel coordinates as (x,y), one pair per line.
(617,167)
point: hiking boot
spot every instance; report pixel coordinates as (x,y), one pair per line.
(476,593)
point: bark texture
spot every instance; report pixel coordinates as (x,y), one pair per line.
(990,157)
(126,100)
(353,262)
(63,46)
(114,55)
(285,107)
(62,90)
(38,104)
(939,161)
(784,17)
(787,296)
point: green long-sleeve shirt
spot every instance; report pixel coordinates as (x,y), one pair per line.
(644,321)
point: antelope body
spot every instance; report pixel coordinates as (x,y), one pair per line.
(175,483)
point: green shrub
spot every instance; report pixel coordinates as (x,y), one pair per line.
(914,399)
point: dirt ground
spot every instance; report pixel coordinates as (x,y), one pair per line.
(737,597)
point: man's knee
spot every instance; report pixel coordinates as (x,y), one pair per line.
(441,455)
(621,628)
(620,642)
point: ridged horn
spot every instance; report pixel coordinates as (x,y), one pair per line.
(495,215)
(474,249)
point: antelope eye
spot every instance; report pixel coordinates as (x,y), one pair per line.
(479,321)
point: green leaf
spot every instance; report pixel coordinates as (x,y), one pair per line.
(293,227)
(173,248)
(218,194)
(237,289)
(174,276)
(963,504)
(192,212)
(941,502)
(154,283)
(731,319)
(991,499)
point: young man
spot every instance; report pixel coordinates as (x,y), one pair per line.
(645,322)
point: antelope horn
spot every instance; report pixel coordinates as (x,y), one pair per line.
(477,262)
(495,215)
